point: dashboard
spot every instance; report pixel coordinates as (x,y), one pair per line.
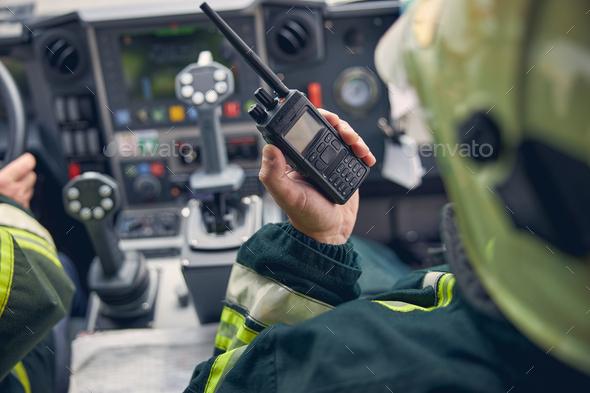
(100,85)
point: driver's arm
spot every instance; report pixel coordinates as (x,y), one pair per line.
(285,273)
(35,292)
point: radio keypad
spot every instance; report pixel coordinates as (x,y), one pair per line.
(328,155)
(345,179)
(348,172)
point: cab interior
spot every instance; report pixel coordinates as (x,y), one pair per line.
(94,76)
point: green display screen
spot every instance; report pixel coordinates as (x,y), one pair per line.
(151,60)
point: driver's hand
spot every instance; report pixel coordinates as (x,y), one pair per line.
(17,179)
(309,211)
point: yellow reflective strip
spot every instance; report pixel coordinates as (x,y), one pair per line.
(450,286)
(28,235)
(401,306)
(245,334)
(23,377)
(39,250)
(217,371)
(6,268)
(13,217)
(232,317)
(445,296)
(222,365)
(267,301)
(222,342)
(440,289)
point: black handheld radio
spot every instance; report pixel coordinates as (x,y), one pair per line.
(310,144)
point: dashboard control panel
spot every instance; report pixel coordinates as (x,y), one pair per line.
(100,83)
(139,64)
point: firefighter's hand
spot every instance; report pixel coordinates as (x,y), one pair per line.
(308,210)
(17,179)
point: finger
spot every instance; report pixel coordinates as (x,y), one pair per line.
(332,118)
(370,159)
(273,176)
(360,149)
(20,167)
(26,197)
(347,133)
(29,180)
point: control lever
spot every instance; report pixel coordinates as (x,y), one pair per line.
(204,85)
(121,280)
(93,199)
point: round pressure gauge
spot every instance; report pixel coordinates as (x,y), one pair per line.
(356,90)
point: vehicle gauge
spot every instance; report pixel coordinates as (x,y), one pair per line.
(356,90)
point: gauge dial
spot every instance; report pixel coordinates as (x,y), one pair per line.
(356,90)
(356,93)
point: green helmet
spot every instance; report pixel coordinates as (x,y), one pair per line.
(514,75)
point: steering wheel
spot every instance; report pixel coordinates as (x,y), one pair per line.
(17,131)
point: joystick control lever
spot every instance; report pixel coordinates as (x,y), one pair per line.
(93,199)
(120,279)
(204,86)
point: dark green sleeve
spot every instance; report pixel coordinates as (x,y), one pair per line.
(326,272)
(35,291)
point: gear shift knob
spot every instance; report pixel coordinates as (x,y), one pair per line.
(93,199)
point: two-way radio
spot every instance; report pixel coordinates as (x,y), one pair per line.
(310,144)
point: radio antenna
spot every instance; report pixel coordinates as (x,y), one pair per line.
(247,53)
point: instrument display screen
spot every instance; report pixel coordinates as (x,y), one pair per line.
(151,59)
(303,132)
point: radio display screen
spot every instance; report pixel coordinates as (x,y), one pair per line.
(303,132)
(151,59)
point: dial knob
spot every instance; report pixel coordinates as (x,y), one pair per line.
(257,113)
(148,187)
(265,99)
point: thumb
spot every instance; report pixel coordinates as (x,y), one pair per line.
(272,174)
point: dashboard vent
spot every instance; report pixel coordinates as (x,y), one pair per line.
(62,54)
(292,37)
(62,57)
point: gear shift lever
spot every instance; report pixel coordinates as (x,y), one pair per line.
(213,235)
(121,280)
(93,199)
(205,85)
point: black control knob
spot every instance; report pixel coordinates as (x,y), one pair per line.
(257,113)
(147,186)
(265,99)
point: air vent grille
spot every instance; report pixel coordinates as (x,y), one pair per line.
(62,57)
(292,37)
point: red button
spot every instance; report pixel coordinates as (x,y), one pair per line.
(74,169)
(157,169)
(231,109)
(314,93)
